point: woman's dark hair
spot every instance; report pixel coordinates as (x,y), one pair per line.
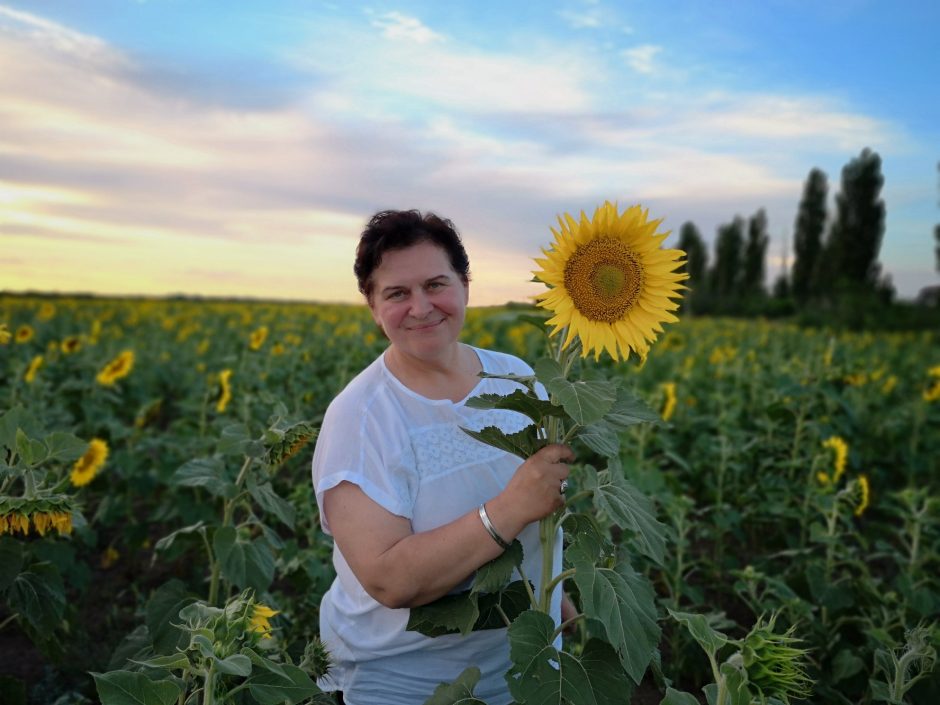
(396,230)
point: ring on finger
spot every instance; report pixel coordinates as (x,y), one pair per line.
(563,486)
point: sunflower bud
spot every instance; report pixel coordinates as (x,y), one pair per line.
(774,665)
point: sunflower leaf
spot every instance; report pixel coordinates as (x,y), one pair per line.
(630,509)
(585,401)
(524,443)
(602,438)
(494,575)
(541,673)
(460,692)
(629,409)
(623,602)
(523,402)
(129,688)
(447,615)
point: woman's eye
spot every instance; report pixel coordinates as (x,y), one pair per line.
(396,295)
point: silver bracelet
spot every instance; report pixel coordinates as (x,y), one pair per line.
(488,525)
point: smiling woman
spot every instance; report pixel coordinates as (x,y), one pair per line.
(414,504)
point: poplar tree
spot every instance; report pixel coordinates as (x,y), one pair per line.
(726,274)
(696,256)
(808,236)
(851,254)
(755,254)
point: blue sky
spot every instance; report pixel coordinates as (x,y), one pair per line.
(236,148)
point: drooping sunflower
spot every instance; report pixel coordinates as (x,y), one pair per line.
(610,282)
(259,620)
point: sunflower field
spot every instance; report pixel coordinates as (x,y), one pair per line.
(160,543)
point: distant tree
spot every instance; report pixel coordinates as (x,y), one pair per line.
(755,254)
(808,235)
(696,256)
(726,274)
(936,236)
(850,259)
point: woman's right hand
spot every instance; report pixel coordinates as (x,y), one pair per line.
(534,490)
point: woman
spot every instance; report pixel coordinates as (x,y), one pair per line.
(414,504)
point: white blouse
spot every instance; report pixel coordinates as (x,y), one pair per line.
(408,454)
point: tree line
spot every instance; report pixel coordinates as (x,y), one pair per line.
(835,272)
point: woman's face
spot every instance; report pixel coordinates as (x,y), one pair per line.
(419,300)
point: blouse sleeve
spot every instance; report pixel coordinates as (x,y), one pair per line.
(354,446)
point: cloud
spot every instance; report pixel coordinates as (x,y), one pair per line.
(642,58)
(399,27)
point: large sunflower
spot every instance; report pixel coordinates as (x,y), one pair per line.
(609,281)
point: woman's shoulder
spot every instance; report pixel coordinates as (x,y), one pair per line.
(358,395)
(501,363)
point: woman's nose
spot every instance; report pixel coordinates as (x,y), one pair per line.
(420,305)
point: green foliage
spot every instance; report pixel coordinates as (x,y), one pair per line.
(808,237)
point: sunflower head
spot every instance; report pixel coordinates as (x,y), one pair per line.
(611,285)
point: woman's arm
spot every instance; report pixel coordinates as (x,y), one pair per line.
(400,568)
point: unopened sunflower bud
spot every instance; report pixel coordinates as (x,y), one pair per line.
(775,666)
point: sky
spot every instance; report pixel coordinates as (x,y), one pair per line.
(237,148)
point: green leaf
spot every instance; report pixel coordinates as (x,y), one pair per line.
(585,401)
(629,509)
(629,410)
(64,447)
(624,603)
(234,440)
(524,443)
(678,697)
(602,438)
(244,563)
(269,688)
(736,684)
(584,536)
(271,502)
(129,688)
(447,615)
(170,661)
(15,419)
(541,674)
(11,561)
(845,665)
(460,692)
(206,472)
(38,595)
(527,381)
(494,575)
(708,638)
(524,402)
(234,665)
(31,451)
(512,601)
(167,541)
(163,609)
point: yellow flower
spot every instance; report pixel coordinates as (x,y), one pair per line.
(856,380)
(889,384)
(71,344)
(118,368)
(33,368)
(109,557)
(823,478)
(610,283)
(10,523)
(258,337)
(24,334)
(46,311)
(932,393)
(865,495)
(90,463)
(669,388)
(226,396)
(841,450)
(934,371)
(277,349)
(43,521)
(5,334)
(259,620)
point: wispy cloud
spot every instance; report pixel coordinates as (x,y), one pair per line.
(642,58)
(399,27)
